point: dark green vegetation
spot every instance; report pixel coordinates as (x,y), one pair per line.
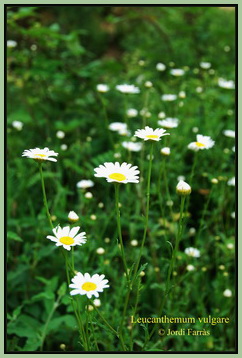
(61,54)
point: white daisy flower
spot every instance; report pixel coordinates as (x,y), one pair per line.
(119,173)
(88,195)
(97,302)
(191,251)
(125,88)
(190,268)
(17,125)
(63,147)
(60,134)
(132,112)
(169,122)
(183,188)
(199,89)
(182,94)
(67,237)
(177,72)
(229,133)
(165,151)
(133,147)
(227,293)
(102,88)
(203,142)
(11,43)
(150,134)
(119,127)
(40,154)
(84,184)
(88,285)
(169,97)
(148,84)
(72,216)
(231,182)
(161,115)
(160,66)
(205,65)
(226,84)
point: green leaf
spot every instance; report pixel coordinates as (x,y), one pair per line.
(13,236)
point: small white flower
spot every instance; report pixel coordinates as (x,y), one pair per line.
(227,293)
(205,65)
(169,97)
(102,88)
(183,188)
(169,122)
(160,66)
(11,43)
(190,268)
(93,217)
(231,182)
(119,127)
(133,147)
(141,63)
(191,251)
(226,48)
(192,231)
(119,173)
(199,89)
(226,84)
(72,216)
(203,142)
(233,149)
(132,112)
(60,134)
(150,134)
(214,181)
(88,285)
(230,246)
(169,203)
(40,154)
(195,129)
(125,88)
(182,94)
(17,125)
(97,302)
(229,133)
(181,177)
(100,251)
(148,84)
(33,47)
(63,147)
(232,215)
(107,240)
(177,72)
(145,113)
(134,243)
(165,151)
(161,115)
(84,184)
(100,205)
(117,155)
(67,237)
(88,195)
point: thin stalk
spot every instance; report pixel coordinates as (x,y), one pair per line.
(146,214)
(44,195)
(106,120)
(171,266)
(202,218)
(116,186)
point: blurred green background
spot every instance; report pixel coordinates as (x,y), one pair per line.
(56,56)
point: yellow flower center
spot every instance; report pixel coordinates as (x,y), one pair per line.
(198,144)
(67,240)
(89,286)
(152,136)
(40,155)
(117,176)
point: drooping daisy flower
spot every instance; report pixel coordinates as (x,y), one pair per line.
(229,133)
(160,66)
(203,142)
(11,43)
(72,216)
(119,173)
(102,88)
(150,134)
(88,285)
(191,251)
(40,154)
(177,72)
(231,182)
(133,147)
(165,151)
(205,65)
(169,97)
(67,237)
(183,188)
(226,84)
(84,184)
(227,293)
(169,122)
(125,88)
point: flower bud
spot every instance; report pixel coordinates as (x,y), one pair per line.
(183,188)
(72,216)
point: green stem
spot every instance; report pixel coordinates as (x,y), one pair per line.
(202,219)
(146,214)
(116,186)
(110,138)
(44,195)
